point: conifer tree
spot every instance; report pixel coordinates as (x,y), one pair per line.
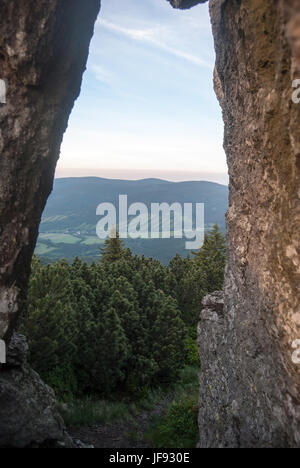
(111,351)
(119,324)
(211,258)
(50,327)
(168,344)
(113,249)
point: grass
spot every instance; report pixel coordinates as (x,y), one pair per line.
(178,427)
(92,240)
(89,412)
(43,249)
(58,238)
(175,426)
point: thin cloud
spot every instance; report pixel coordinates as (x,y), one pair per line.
(101,74)
(149,36)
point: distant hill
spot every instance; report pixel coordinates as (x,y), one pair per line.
(68,226)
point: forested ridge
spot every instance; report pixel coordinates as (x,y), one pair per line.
(68,224)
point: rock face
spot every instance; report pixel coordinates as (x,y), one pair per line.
(250,387)
(183,4)
(28,414)
(43,53)
(44,49)
(213,385)
(250,392)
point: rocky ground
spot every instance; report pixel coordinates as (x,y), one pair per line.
(122,434)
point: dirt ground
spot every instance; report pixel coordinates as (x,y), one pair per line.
(122,434)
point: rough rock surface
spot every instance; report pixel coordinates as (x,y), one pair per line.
(28,413)
(183,4)
(212,384)
(43,53)
(250,392)
(256,65)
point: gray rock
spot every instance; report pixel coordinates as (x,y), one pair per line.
(81,445)
(45,47)
(250,387)
(185,4)
(17,351)
(28,412)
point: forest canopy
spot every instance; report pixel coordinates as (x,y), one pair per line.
(121,325)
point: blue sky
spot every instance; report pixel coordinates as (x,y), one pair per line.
(147,106)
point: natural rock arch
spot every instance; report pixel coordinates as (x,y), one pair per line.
(42,58)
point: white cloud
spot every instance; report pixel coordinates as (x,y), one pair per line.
(153,110)
(102,74)
(153,36)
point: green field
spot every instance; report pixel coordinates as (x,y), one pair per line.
(43,249)
(60,238)
(92,240)
(52,246)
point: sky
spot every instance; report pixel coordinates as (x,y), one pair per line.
(147,106)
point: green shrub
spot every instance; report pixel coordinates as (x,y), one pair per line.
(89,412)
(119,326)
(191,349)
(63,381)
(178,428)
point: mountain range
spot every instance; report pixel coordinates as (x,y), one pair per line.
(68,226)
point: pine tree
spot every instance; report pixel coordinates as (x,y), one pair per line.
(211,258)
(119,324)
(50,326)
(113,249)
(168,334)
(111,350)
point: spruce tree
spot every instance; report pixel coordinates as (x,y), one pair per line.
(50,326)
(111,351)
(211,258)
(168,334)
(113,249)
